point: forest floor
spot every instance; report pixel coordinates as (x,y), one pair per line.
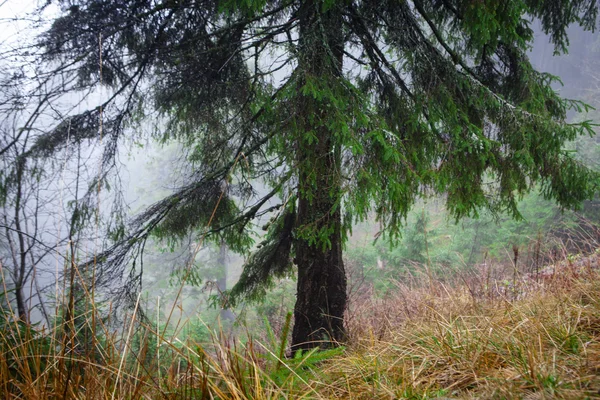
(464,337)
(537,339)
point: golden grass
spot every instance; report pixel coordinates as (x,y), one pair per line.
(512,351)
(451,344)
(465,339)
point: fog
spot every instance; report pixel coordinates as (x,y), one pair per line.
(146,171)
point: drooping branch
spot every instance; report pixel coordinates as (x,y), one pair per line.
(272,260)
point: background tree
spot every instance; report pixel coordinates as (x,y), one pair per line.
(45,201)
(23,247)
(343,108)
(25,206)
(41,217)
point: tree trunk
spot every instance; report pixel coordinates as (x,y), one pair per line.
(225,314)
(321,295)
(21,306)
(22,267)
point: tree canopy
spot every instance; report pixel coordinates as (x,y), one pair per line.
(343,109)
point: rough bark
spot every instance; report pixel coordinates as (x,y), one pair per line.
(321,290)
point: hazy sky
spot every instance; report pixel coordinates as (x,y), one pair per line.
(10,11)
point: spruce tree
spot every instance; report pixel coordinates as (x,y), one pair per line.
(343,109)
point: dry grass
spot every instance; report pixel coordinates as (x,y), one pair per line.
(544,345)
(473,338)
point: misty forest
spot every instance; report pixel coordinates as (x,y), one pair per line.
(251,199)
